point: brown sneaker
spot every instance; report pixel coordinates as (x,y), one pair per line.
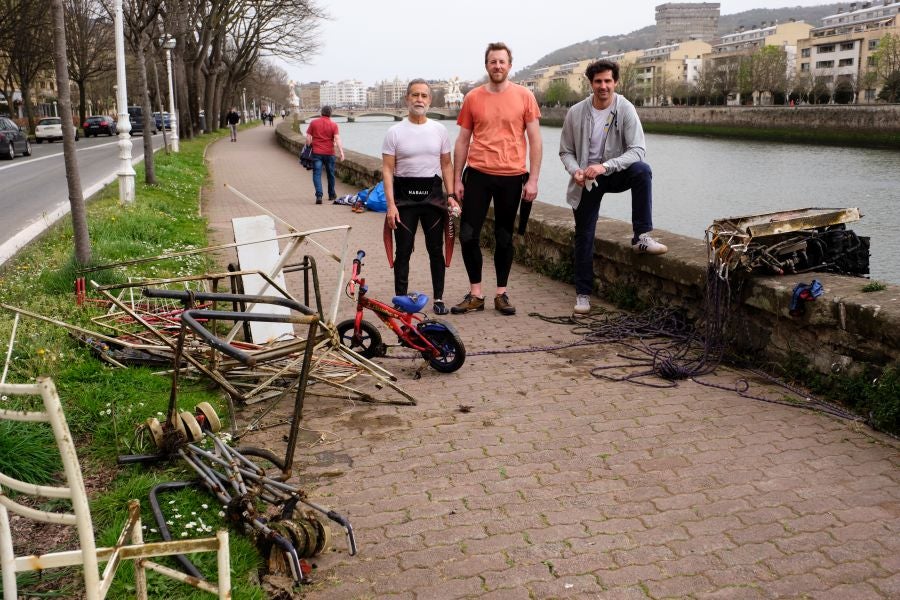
(468,304)
(502,305)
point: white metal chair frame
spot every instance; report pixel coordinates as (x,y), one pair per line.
(130,544)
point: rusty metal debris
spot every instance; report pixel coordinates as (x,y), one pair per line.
(792,241)
(199,325)
(130,544)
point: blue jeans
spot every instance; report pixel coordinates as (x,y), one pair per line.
(326,160)
(639,179)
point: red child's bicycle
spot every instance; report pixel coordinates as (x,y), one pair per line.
(438,342)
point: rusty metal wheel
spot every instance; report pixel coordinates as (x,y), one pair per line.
(192,427)
(156,431)
(209,415)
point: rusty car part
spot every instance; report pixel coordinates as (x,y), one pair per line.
(791,241)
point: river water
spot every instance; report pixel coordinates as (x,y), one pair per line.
(697,180)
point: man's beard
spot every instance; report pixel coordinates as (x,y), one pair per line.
(498,77)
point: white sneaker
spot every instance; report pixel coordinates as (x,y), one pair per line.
(647,245)
(582,304)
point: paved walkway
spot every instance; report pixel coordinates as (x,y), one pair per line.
(556,484)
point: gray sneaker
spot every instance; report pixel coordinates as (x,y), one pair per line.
(582,304)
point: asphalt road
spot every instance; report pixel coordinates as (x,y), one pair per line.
(34,192)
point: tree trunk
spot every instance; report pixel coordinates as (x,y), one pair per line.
(162,108)
(76,200)
(82,106)
(147,109)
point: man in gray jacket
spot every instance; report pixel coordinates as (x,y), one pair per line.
(602,148)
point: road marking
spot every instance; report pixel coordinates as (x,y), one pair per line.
(30,160)
(10,247)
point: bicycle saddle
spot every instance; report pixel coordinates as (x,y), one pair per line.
(411,303)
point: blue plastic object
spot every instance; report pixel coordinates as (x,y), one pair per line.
(376,200)
(411,303)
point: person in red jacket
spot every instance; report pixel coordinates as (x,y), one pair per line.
(322,135)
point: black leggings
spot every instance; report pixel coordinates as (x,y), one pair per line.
(480,188)
(432,219)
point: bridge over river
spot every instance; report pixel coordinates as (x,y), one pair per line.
(398,114)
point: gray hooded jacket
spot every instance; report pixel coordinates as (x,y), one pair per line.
(624,144)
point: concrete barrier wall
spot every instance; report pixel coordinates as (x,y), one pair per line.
(844,330)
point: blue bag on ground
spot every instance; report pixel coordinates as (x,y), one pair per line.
(376,199)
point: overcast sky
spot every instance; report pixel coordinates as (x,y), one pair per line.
(372,40)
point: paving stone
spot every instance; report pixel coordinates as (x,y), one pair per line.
(678,587)
(720,497)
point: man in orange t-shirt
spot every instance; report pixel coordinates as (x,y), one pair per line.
(494,122)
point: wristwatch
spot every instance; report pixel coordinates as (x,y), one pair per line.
(452,195)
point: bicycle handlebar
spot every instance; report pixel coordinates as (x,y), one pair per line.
(357,266)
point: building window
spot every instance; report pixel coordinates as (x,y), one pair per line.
(870,61)
(826,49)
(804,67)
(873,44)
(848,46)
(824,64)
(804,53)
(870,95)
(845,62)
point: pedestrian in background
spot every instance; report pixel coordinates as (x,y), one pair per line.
(233,118)
(495,121)
(417,168)
(323,135)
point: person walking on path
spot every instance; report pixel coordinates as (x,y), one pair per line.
(322,134)
(416,167)
(602,147)
(494,122)
(233,118)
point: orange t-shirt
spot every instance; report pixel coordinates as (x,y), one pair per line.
(497,122)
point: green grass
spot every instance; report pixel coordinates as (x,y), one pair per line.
(874,286)
(103,405)
(875,395)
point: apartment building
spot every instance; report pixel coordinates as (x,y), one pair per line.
(687,21)
(345,94)
(733,48)
(661,70)
(390,94)
(838,54)
(310,95)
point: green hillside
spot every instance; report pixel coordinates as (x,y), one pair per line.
(646,36)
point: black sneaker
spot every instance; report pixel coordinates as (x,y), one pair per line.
(502,305)
(318,199)
(440,308)
(468,304)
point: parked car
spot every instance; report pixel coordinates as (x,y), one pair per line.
(160,117)
(13,139)
(50,129)
(136,117)
(97,124)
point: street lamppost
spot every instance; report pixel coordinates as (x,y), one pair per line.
(169,45)
(244,100)
(126,171)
